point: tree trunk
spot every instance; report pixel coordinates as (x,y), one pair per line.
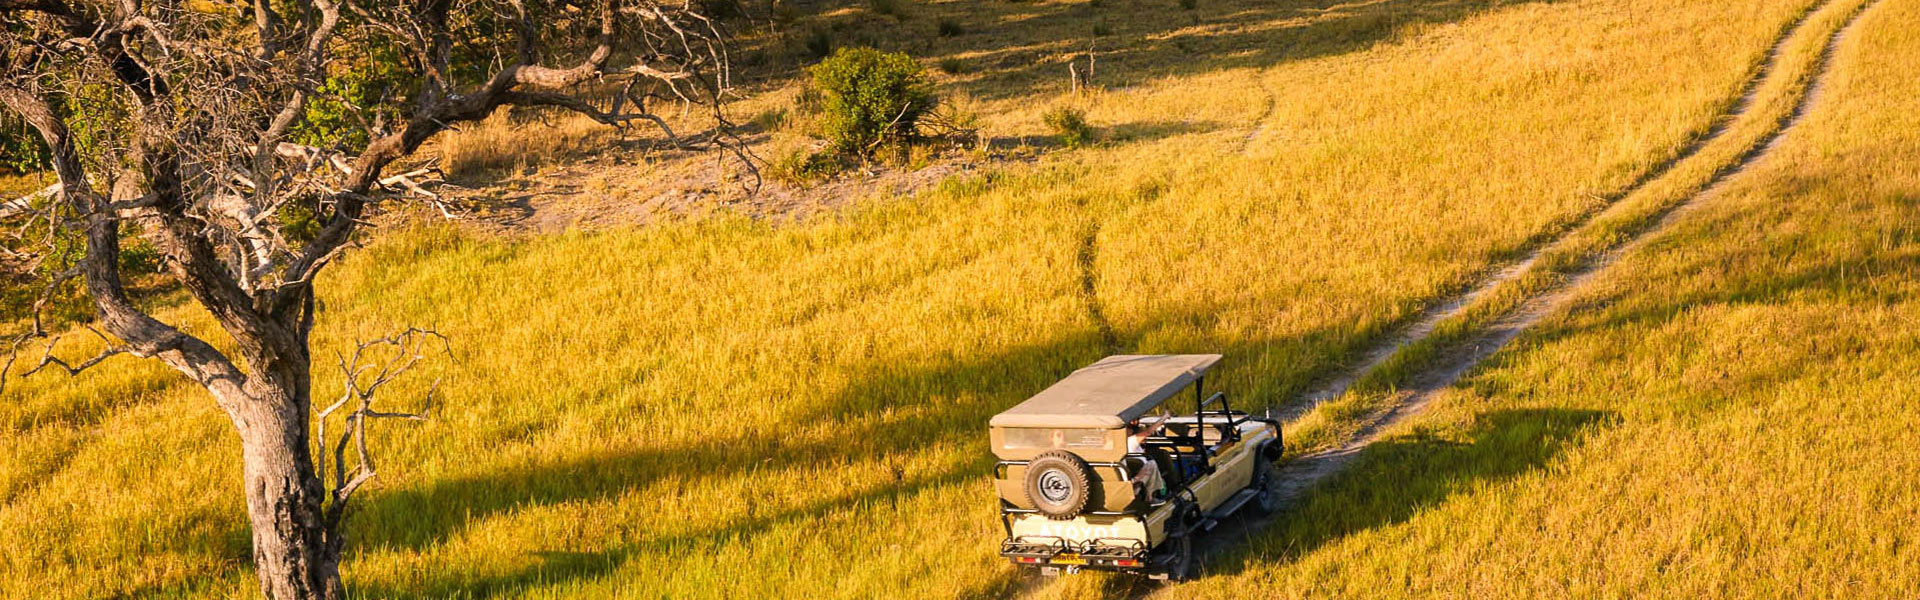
(294,554)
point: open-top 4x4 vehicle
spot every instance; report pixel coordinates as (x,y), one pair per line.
(1098,472)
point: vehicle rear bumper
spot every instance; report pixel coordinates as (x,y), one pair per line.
(1121,555)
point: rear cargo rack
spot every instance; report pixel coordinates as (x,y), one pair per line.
(1048,547)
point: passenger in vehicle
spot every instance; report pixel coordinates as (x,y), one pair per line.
(1147,481)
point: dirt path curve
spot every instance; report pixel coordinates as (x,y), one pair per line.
(1423,325)
(1266,112)
(1302,474)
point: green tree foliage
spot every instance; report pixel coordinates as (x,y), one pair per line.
(89,110)
(871,98)
(21,150)
(363,91)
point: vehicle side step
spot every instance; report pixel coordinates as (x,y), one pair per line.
(1238,500)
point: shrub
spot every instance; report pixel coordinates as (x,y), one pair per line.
(1102,30)
(1189,4)
(870,98)
(949,28)
(334,117)
(1069,125)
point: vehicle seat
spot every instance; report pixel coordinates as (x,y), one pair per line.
(1180,464)
(1164,461)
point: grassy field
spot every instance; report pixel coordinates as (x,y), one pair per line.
(1776,96)
(724,408)
(14,185)
(1721,414)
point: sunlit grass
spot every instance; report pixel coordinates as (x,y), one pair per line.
(725,408)
(14,185)
(1723,413)
(1774,100)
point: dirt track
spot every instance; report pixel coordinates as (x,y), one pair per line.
(1302,474)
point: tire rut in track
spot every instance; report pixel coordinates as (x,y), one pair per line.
(1303,473)
(1423,325)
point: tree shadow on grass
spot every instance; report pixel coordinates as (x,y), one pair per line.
(1842,272)
(1134,41)
(1140,131)
(945,405)
(561,566)
(1396,478)
(419,517)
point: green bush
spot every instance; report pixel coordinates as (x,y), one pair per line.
(871,98)
(950,28)
(1069,125)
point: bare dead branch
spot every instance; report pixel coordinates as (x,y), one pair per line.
(25,203)
(50,359)
(372,365)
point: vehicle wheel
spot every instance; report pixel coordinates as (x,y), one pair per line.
(1181,569)
(1266,481)
(1179,546)
(1179,558)
(1059,484)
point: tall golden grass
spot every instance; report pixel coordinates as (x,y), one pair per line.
(724,408)
(1776,93)
(1720,414)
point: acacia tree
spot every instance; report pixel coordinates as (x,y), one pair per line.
(175,121)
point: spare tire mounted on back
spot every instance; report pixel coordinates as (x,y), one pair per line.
(1059,484)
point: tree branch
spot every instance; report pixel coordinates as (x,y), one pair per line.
(144,335)
(362,377)
(49,359)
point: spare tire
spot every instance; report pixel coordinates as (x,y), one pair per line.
(1059,484)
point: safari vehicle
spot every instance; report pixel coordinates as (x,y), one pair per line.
(1099,472)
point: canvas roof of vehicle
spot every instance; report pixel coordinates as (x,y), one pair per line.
(1110,393)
